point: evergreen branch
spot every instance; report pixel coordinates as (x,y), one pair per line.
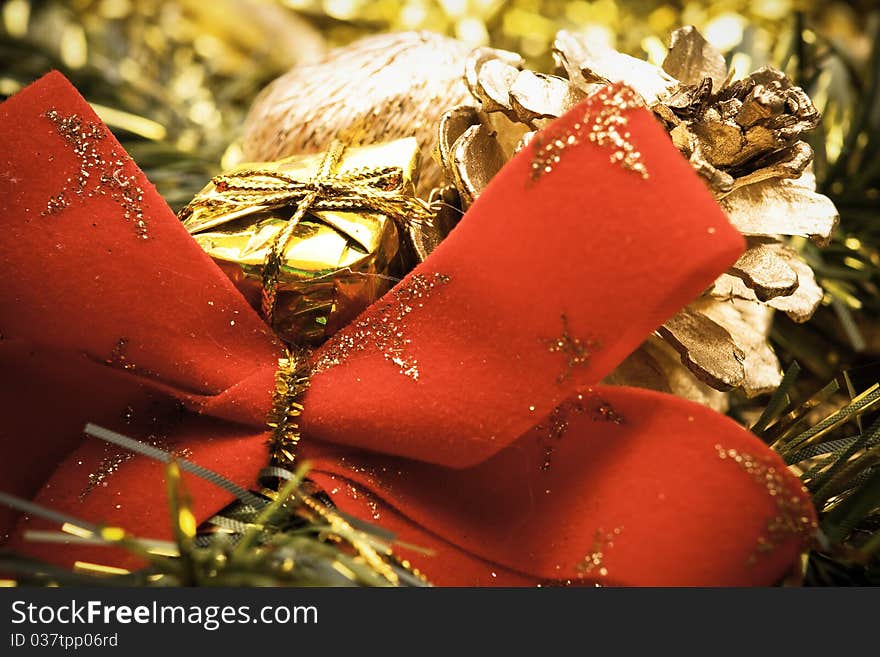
(293,540)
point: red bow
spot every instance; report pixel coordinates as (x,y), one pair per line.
(433,413)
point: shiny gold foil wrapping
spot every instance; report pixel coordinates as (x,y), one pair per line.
(337,262)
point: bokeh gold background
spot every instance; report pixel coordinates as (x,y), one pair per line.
(186,70)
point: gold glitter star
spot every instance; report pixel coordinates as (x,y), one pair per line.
(576,349)
(96,174)
(604,124)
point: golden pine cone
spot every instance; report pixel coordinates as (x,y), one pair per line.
(742,137)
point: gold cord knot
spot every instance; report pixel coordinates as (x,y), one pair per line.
(380,189)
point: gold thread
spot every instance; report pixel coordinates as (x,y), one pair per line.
(358,539)
(275,256)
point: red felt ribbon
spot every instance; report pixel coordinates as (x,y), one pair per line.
(543,288)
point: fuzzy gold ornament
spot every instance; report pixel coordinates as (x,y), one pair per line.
(380,88)
(742,137)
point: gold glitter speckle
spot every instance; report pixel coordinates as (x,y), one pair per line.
(594,562)
(597,408)
(374,508)
(118,357)
(603,123)
(385,328)
(791,519)
(113,461)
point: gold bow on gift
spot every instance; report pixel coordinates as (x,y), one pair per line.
(310,239)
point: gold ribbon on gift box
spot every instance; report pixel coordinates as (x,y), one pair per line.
(310,239)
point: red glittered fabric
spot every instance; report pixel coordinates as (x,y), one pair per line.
(461,411)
